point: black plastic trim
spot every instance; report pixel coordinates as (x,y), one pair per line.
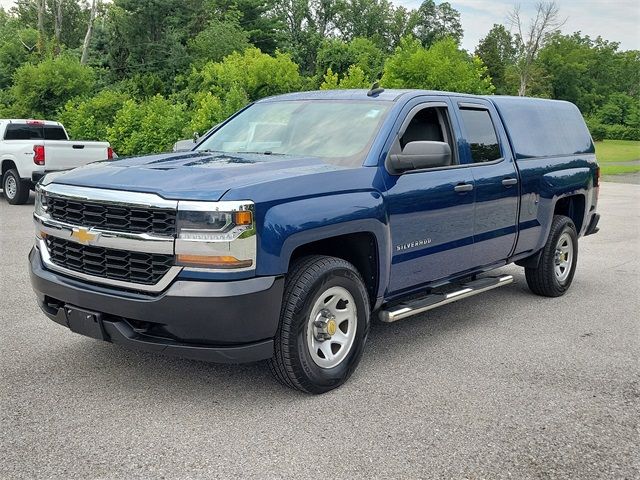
(215,321)
(593,225)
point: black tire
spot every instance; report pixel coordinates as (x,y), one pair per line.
(21,190)
(543,280)
(292,363)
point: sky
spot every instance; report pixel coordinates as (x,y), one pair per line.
(617,20)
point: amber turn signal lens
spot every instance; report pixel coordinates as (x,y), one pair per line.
(206,261)
(242,218)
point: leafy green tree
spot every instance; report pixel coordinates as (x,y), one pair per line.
(338,56)
(628,76)
(433,22)
(443,66)
(398,25)
(353,78)
(498,52)
(308,23)
(150,36)
(256,17)
(142,86)
(587,71)
(40,90)
(17,47)
(620,109)
(150,126)
(209,110)
(378,20)
(90,119)
(253,72)
(217,40)
(74,16)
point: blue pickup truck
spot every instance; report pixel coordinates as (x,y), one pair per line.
(294,222)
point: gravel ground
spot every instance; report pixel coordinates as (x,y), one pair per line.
(633,178)
(503,385)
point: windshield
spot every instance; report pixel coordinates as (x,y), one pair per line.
(340,132)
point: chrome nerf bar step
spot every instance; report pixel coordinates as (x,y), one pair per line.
(434,299)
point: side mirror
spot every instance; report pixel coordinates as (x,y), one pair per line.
(419,155)
(196,137)
(183,145)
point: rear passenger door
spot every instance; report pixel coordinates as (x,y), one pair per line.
(495,178)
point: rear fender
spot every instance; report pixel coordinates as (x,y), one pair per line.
(560,184)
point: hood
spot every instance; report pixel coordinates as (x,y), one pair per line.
(191,175)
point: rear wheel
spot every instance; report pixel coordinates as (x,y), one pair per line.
(16,190)
(323,325)
(556,268)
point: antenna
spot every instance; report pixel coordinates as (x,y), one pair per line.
(375,90)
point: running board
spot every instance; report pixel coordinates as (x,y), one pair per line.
(434,300)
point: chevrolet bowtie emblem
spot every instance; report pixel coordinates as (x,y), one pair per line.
(84,236)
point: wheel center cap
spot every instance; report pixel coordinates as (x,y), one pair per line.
(331,327)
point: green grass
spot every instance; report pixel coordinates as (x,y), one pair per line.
(617,151)
(618,169)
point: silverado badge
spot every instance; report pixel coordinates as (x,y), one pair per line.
(417,243)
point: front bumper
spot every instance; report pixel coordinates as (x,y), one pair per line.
(225,322)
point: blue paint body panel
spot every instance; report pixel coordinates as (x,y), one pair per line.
(425,232)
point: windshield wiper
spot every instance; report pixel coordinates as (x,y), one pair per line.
(267,152)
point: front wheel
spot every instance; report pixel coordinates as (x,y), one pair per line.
(554,273)
(323,325)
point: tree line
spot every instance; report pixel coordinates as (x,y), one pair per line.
(144,73)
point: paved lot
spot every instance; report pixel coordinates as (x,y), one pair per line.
(504,385)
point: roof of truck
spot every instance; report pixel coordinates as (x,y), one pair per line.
(30,120)
(388,95)
(536,127)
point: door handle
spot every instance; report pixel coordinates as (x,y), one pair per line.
(508,182)
(463,187)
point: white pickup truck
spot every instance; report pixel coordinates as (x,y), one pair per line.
(31,148)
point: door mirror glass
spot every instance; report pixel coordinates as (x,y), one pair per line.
(183,145)
(420,154)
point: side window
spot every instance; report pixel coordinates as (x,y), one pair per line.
(481,135)
(430,124)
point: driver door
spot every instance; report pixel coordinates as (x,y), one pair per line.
(431,211)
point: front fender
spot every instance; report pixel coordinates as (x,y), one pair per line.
(287,226)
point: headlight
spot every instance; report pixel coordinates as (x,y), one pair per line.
(40,207)
(216,235)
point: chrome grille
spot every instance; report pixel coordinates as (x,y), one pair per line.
(135,267)
(112,217)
